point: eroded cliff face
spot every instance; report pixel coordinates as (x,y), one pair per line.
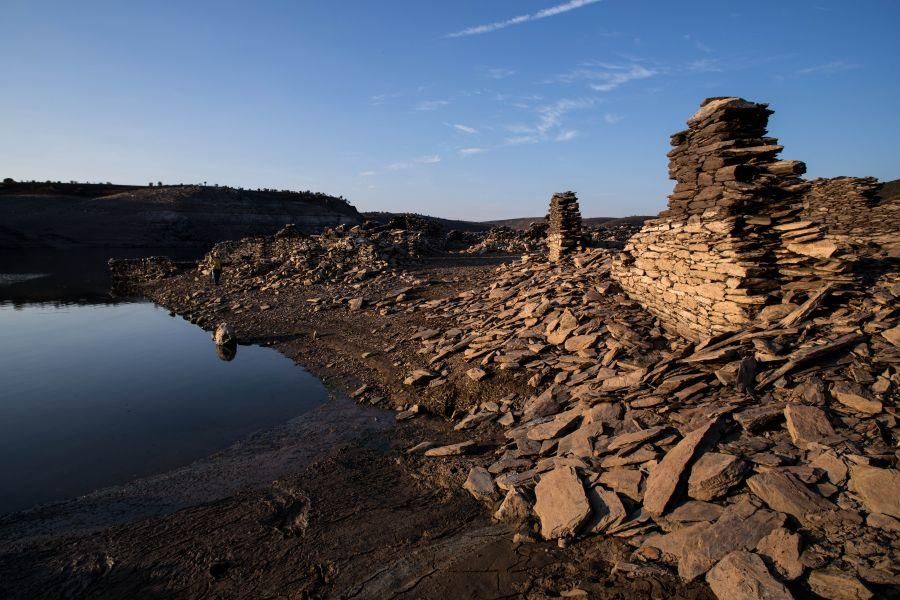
(743,229)
(83,215)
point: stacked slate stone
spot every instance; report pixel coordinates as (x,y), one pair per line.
(564,225)
(708,264)
(855,219)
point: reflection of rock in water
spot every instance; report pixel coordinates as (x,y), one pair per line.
(226,352)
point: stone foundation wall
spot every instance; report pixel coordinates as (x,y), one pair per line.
(709,263)
(693,273)
(743,231)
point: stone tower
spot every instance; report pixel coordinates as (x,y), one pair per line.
(564,225)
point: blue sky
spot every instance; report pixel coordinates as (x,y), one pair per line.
(471,109)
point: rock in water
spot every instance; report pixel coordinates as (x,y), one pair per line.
(224,335)
(562,506)
(744,576)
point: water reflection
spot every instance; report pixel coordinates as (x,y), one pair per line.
(60,277)
(226,352)
(98,391)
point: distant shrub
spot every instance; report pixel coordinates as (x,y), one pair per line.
(9,180)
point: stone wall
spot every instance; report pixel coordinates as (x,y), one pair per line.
(856,213)
(742,229)
(705,265)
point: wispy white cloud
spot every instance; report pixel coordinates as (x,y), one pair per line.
(605,77)
(500,73)
(541,14)
(428,159)
(835,66)
(522,139)
(465,129)
(550,116)
(366,173)
(471,151)
(612,119)
(380,99)
(428,105)
(705,65)
(549,123)
(697,43)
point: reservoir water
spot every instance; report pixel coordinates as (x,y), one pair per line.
(98,391)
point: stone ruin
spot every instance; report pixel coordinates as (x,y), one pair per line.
(564,225)
(743,230)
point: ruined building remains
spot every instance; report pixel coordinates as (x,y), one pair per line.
(743,229)
(564,225)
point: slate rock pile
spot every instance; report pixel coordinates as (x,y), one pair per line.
(614,236)
(563,225)
(505,240)
(856,212)
(338,255)
(126,271)
(765,456)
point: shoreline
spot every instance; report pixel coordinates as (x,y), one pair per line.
(417,511)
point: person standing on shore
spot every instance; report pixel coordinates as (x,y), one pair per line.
(216,270)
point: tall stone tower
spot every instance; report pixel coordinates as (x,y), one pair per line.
(708,263)
(564,225)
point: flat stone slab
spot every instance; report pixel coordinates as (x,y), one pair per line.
(606,510)
(480,483)
(451,450)
(879,489)
(743,575)
(785,493)
(783,548)
(837,585)
(666,476)
(713,474)
(562,505)
(808,424)
(698,547)
(856,397)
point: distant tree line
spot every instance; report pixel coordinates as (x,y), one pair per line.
(306,194)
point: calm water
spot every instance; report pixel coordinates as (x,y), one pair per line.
(95,394)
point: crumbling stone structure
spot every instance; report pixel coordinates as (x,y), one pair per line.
(564,225)
(742,227)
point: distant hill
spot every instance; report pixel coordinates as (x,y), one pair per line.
(890,189)
(524,222)
(76,214)
(447,224)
